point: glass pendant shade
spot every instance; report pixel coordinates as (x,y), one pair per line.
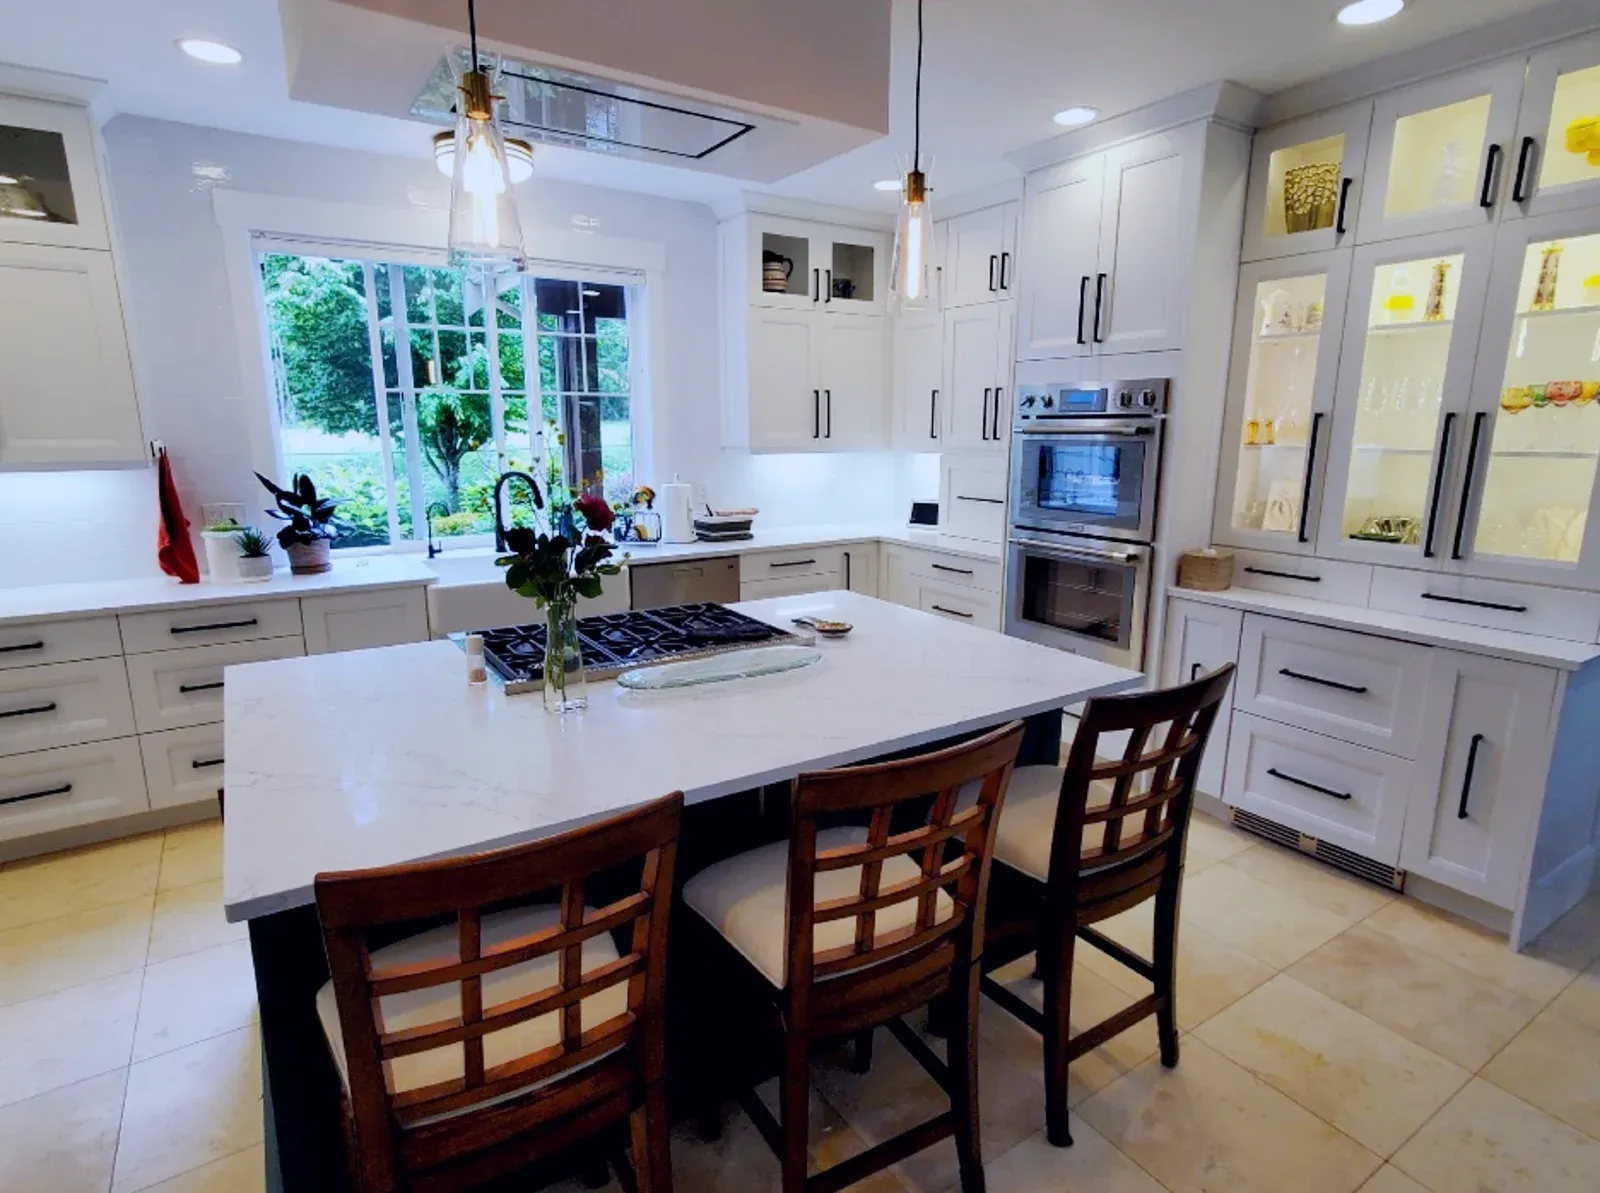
(485,233)
(912,279)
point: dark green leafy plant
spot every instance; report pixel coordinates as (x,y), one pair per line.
(309,517)
(252,543)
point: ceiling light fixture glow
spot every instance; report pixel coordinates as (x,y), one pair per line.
(1075,117)
(1369,12)
(889,184)
(215,52)
(519,156)
(485,231)
(910,278)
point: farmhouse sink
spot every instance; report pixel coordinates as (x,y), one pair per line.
(471,594)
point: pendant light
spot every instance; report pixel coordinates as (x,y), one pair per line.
(911,280)
(485,234)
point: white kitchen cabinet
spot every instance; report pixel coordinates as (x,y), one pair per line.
(972,494)
(851,369)
(814,383)
(66,389)
(1474,803)
(209,624)
(1062,219)
(62,704)
(899,583)
(978,344)
(53,187)
(918,380)
(183,766)
(971,606)
(824,266)
(173,689)
(861,568)
(980,256)
(1199,639)
(28,644)
(361,620)
(1553,168)
(780,586)
(47,790)
(1305,183)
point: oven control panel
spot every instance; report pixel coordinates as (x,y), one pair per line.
(1115,399)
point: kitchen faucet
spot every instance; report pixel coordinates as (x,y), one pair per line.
(499,518)
(427,514)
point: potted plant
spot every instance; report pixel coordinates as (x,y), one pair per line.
(222,555)
(254,558)
(310,528)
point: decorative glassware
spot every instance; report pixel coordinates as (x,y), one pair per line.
(1434,311)
(1544,293)
(566,688)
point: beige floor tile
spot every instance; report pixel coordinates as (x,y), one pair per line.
(1487,1141)
(59,1039)
(1272,925)
(51,955)
(1573,941)
(1212,841)
(1208,1126)
(1581,1000)
(189,1107)
(1372,1084)
(188,919)
(1313,881)
(1390,1179)
(1462,1017)
(191,854)
(1555,1065)
(1470,947)
(242,1172)
(194,997)
(61,883)
(63,1141)
(1090,1165)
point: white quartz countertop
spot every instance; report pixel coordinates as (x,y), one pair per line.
(46,601)
(800,537)
(1433,631)
(347,761)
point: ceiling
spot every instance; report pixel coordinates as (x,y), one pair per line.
(994,72)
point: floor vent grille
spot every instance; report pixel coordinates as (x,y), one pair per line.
(1335,855)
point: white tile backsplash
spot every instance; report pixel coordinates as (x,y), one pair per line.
(60,527)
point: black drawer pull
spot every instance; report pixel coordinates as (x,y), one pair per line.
(1309,786)
(1450,600)
(792,563)
(1519,192)
(939,567)
(216,625)
(1283,575)
(1344,203)
(1327,683)
(64,789)
(1194,672)
(1466,781)
(952,612)
(984,500)
(202,763)
(186,688)
(21,646)
(32,710)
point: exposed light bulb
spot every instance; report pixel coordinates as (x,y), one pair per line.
(913,246)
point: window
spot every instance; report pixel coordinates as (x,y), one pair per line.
(403,389)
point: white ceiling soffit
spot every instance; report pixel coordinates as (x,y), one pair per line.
(669,81)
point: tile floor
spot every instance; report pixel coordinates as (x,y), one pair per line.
(1336,1038)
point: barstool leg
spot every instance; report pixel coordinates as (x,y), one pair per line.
(796,1107)
(861,1052)
(1057,940)
(962,1049)
(652,1154)
(1164,956)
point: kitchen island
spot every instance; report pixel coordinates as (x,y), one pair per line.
(370,758)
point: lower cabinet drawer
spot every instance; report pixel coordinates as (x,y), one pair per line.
(28,644)
(1297,575)
(55,789)
(1343,794)
(206,625)
(362,620)
(974,493)
(1525,608)
(183,766)
(62,704)
(802,561)
(173,689)
(970,605)
(755,590)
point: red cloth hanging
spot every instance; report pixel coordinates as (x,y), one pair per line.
(174,551)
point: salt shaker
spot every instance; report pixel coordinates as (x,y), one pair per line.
(477,673)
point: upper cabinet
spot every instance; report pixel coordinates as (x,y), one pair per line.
(978,343)
(1305,183)
(50,189)
(980,256)
(919,380)
(798,264)
(1558,136)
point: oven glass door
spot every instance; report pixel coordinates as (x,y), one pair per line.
(1086,598)
(1094,483)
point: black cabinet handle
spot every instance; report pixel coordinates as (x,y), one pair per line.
(983,419)
(64,789)
(985,500)
(1490,173)
(1083,302)
(1005,264)
(215,625)
(816,285)
(933,414)
(1194,673)
(1327,683)
(1099,302)
(792,563)
(1308,785)
(1466,484)
(816,414)
(1283,575)
(1524,157)
(952,612)
(847,571)
(21,646)
(1466,780)
(1450,600)
(1311,468)
(186,688)
(993,261)
(30,711)
(827,396)
(827,292)
(1438,484)
(1344,204)
(202,763)
(939,567)
(996,435)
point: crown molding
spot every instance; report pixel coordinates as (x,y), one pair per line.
(760,203)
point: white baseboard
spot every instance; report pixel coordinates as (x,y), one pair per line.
(106,830)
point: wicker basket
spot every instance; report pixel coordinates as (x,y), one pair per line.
(1210,570)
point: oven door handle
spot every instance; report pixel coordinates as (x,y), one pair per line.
(1064,427)
(1080,553)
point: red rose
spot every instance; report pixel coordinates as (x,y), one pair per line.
(596,513)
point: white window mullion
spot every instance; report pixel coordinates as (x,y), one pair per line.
(380,395)
(408,405)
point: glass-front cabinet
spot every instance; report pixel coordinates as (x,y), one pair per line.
(1280,396)
(1305,183)
(804,265)
(1405,377)
(49,187)
(1558,142)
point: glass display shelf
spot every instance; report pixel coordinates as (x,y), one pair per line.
(1288,337)
(1592,308)
(1390,329)
(1393,450)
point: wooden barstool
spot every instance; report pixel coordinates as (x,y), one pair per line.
(841,929)
(497,1039)
(1080,843)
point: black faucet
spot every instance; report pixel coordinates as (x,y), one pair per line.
(427,514)
(499,520)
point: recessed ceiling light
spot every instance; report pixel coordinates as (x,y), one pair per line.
(1369,12)
(888,184)
(1073,117)
(214,52)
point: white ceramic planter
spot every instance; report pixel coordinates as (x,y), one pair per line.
(255,568)
(222,556)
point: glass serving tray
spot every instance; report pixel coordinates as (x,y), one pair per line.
(738,664)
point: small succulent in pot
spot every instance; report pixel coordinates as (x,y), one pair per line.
(310,527)
(255,554)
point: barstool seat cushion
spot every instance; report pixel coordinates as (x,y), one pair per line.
(429,1004)
(1027,825)
(743,898)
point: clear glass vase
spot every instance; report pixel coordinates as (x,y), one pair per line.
(565,687)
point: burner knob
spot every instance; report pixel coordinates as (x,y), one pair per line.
(1048,401)
(1029,401)
(1147,397)
(1125,398)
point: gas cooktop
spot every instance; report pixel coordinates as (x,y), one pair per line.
(615,642)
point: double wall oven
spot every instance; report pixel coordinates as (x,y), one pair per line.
(1085,474)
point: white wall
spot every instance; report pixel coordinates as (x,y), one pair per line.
(186,354)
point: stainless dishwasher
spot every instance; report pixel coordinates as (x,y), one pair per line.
(685,581)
